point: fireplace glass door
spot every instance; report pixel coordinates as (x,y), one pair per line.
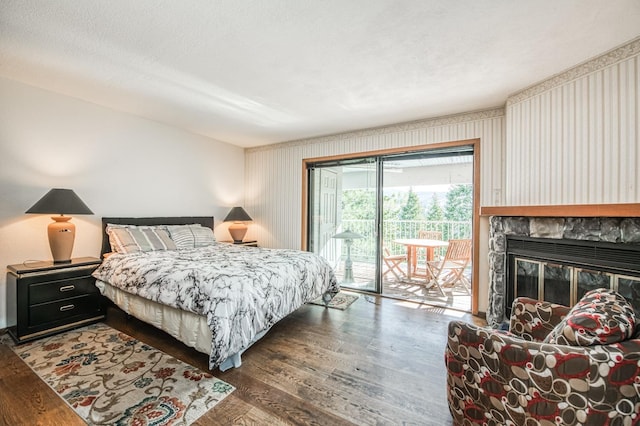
(543,281)
(629,287)
(557,283)
(587,280)
(527,278)
(565,284)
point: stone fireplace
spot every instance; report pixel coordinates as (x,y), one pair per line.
(574,252)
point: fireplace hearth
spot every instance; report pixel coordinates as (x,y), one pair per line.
(559,259)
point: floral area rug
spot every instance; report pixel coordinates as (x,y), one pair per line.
(340,301)
(108,377)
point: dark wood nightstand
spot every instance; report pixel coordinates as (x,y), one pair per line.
(243,243)
(44,298)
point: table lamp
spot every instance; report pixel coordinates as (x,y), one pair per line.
(61,232)
(238,228)
(348,238)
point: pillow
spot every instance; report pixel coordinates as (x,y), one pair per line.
(191,236)
(601,317)
(134,239)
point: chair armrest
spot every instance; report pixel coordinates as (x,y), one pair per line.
(494,377)
(533,319)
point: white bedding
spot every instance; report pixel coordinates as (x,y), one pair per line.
(240,291)
(191,329)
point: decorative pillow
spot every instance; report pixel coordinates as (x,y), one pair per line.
(133,239)
(191,236)
(601,317)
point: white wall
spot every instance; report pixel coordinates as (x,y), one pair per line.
(274,173)
(574,139)
(120,165)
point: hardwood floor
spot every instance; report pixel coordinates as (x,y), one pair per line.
(27,400)
(378,362)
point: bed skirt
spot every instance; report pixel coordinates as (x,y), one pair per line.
(187,327)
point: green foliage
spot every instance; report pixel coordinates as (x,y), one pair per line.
(391,206)
(412,210)
(459,204)
(435,212)
(360,204)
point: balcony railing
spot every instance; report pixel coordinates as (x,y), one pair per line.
(365,249)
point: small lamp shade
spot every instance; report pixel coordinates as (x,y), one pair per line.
(61,232)
(238,229)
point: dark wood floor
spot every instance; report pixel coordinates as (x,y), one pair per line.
(378,362)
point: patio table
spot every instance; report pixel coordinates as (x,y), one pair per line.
(413,244)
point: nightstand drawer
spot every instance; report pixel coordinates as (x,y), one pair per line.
(44,298)
(62,309)
(62,289)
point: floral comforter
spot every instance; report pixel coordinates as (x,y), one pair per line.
(242,291)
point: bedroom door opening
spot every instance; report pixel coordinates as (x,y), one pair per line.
(384,221)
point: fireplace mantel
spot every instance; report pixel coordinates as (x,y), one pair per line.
(567,210)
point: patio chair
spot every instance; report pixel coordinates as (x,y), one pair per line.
(393,262)
(430,235)
(449,271)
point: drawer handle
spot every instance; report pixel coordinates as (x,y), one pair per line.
(66,308)
(67,288)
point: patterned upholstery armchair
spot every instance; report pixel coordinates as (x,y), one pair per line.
(540,372)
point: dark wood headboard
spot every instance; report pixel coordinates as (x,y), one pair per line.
(183,220)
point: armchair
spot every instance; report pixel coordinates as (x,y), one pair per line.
(514,378)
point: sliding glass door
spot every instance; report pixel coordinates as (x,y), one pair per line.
(427,206)
(381,219)
(342,219)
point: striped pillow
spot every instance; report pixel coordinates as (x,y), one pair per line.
(191,236)
(134,239)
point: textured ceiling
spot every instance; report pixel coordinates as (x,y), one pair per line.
(252,72)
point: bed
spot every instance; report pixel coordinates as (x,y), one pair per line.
(218,298)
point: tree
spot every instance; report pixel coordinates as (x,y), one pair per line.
(459,204)
(435,212)
(390,206)
(412,210)
(360,204)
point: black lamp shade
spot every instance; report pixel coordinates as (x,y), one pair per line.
(61,201)
(237,214)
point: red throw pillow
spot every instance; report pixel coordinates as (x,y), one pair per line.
(601,317)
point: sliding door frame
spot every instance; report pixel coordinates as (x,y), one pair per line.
(476,196)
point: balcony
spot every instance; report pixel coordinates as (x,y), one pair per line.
(363,256)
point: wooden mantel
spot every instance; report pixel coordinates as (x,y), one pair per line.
(571,210)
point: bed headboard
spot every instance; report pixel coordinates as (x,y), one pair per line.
(182,220)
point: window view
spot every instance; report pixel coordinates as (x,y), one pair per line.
(397,225)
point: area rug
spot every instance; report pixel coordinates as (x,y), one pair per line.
(340,301)
(108,377)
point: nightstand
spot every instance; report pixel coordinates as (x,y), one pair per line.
(44,298)
(243,243)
